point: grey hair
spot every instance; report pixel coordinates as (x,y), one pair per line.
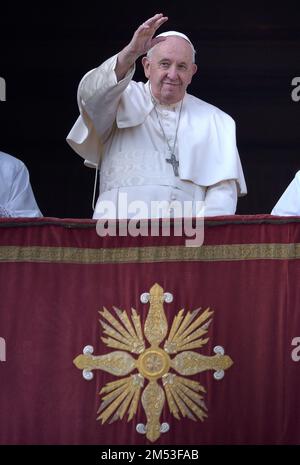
(150,51)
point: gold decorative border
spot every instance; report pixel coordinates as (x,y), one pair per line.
(210,253)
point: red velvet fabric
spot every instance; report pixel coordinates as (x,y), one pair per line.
(49,312)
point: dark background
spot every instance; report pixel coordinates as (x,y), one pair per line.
(247,55)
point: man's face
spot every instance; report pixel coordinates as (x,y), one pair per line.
(170,69)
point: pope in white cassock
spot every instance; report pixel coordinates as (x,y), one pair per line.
(16,196)
(289,202)
(155,142)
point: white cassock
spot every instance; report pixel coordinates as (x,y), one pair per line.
(119,123)
(16,196)
(289,202)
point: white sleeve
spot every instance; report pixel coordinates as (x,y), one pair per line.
(221,199)
(3,212)
(289,202)
(98,97)
(21,201)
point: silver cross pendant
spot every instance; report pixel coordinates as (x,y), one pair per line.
(174,162)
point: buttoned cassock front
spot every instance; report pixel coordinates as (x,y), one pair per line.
(118,124)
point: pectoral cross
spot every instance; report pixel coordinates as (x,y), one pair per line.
(174,162)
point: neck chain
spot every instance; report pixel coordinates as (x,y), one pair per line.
(172,160)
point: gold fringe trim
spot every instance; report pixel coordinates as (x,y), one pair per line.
(206,253)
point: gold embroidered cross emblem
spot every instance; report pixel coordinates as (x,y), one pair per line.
(166,375)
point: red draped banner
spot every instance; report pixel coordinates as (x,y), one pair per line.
(55,277)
